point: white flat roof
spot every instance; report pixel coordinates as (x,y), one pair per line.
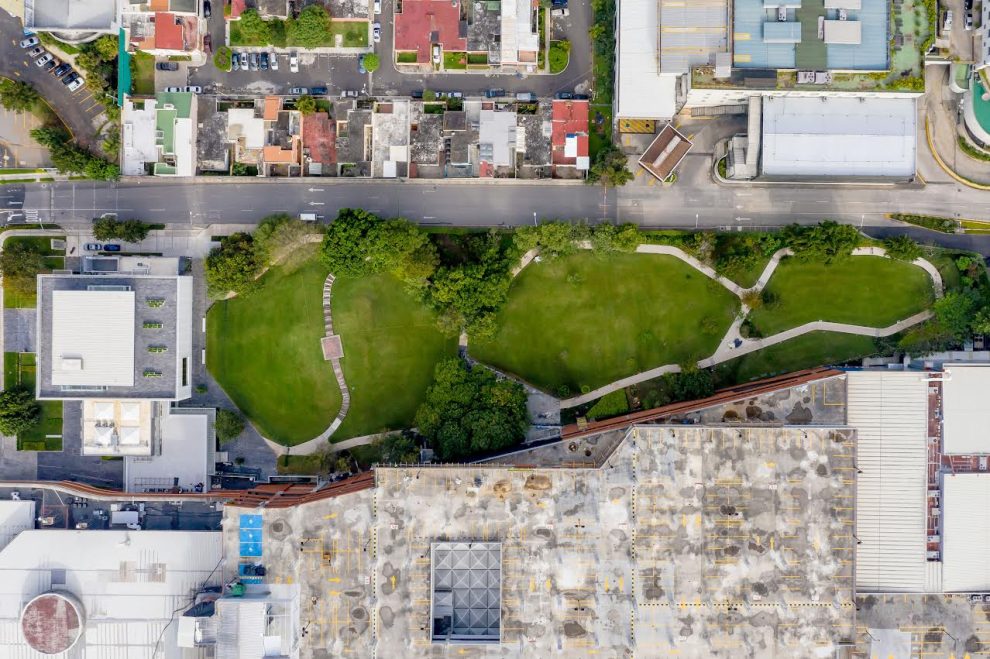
(93,338)
(844,32)
(824,135)
(15,517)
(644,92)
(889,410)
(965,532)
(965,412)
(184,456)
(129,583)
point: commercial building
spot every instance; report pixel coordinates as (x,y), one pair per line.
(72,20)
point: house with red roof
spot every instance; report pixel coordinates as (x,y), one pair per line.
(423,23)
(569,147)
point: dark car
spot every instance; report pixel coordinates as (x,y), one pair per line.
(69,79)
(110,247)
(263,61)
(318,91)
(50,65)
(969,4)
(565,96)
(208,44)
(418,94)
(581,97)
(207,9)
(61,70)
(167,66)
(495,93)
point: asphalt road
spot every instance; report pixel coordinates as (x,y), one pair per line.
(78,111)
(340,72)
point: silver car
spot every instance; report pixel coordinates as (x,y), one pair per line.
(254,61)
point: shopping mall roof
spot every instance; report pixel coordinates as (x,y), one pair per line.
(645,91)
(826,135)
(965,413)
(965,530)
(889,410)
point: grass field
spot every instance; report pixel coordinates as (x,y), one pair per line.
(53,260)
(391,346)
(355,33)
(264,350)
(862,290)
(454,60)
(583,321)
(20,368)
(143,74)
(806,351)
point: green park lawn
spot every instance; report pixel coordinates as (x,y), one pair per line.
(27,299)
(584,321)
(20,368)
(354,33)
(391,346)
(143,74)
(861,290)
(264,349)
(806,351)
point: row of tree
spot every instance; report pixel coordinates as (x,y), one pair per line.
(70,158)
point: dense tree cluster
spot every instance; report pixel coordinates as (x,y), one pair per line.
(825,241)
(17,95)
(70,158)
(469,411)
(110,228)
(610,168)
(228,426)
(19,411)
(20,264)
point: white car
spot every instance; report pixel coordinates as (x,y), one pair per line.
(75,84)
(172,90)
(33,40)
(194,89)
(376,32)
(294,64)
(44,59)
(436,53)
(273,61)
(378,6)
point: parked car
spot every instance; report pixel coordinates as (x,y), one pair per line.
(564,96)
(167,66)
(51,64)
(361,68)
(436,53)
(318,91)
(274,60)
(44,59)
(93,247)
(526,97)
(78,82)
(207,9)
(235,62)
(253,61)
(31,41)
(376,32)
(418,94)
(293,64)
(263,61)
(194,89)
(378,6)
(495,93)
(111,248)
(34,52)
(968,5)
(208,44)
(350,93)
(172,90)
(62,69)
(67,80)
(244,62)
(299,91)
(581,97)
(969,20)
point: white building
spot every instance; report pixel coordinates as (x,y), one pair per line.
(520,43)
(158,135)
(965,413)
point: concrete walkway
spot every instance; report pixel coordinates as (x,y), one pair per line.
(726,349)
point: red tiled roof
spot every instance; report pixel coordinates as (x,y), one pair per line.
(237,7)
(319,137)
(420,19)
(568,118)
(168,35)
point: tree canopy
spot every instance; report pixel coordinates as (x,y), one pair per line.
(825,241)
(234,266)
(310,28)
(902,248)
(398,448)
(20,263)
(610,168)
(306,104)
(253,28)
(372,62)
(110,228)
(70,158)
(469,411)
(17,95)
(229,425)
(19,411)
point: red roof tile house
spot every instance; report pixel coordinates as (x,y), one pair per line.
(422,23)
(569,138)
(161,32)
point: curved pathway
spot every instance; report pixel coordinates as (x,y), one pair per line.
(725,352)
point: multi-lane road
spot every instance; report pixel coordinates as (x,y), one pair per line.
(473,203)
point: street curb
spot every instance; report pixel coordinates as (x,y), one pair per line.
(319,180)
(941,163)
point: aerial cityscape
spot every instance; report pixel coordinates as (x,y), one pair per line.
(494,328)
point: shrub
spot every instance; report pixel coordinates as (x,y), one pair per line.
(17,95)
(229,425)
(19,411)
(372,62)
(306,104)
(902,248)
(611,238)
(233,266)
(609,405)
(935,223)
(110,228)
(221,58)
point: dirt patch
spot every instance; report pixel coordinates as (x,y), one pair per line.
(537,483)
(800,415)
(501,488)
(574,630)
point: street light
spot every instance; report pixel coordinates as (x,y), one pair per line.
(534,218)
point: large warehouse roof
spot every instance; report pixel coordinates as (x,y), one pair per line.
(965,415)
(965,530)
(839,136)
(889,411)
(644,92)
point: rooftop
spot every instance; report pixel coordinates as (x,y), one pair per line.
(186,458)
(92,338)
(966,527)
(966,416)
(71,15)
(665,152)
(168,32)
(569,122)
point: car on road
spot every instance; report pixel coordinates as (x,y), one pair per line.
(526,97)
(376,32)
(44,59)
(417,94)
(208,44)
(263,61)
(361,68)
(299,91)
(77,82)
(494,93)
(51,64)
(30,41)
(378,7)
(253,61)
(62,69)
(110,247)
(167,66)
(293,64)
(207,9)
(318,91)
(93,247)
(274,59)
(34,52)
(436,53)
(194,89)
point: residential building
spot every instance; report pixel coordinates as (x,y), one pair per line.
(422,24)
(158,136)
(354,139)
(267,136)
(497,137)
(520,33)
(390,139)
(162,27)
(569,138)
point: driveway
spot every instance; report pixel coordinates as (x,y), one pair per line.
(80,112)
(340,72)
